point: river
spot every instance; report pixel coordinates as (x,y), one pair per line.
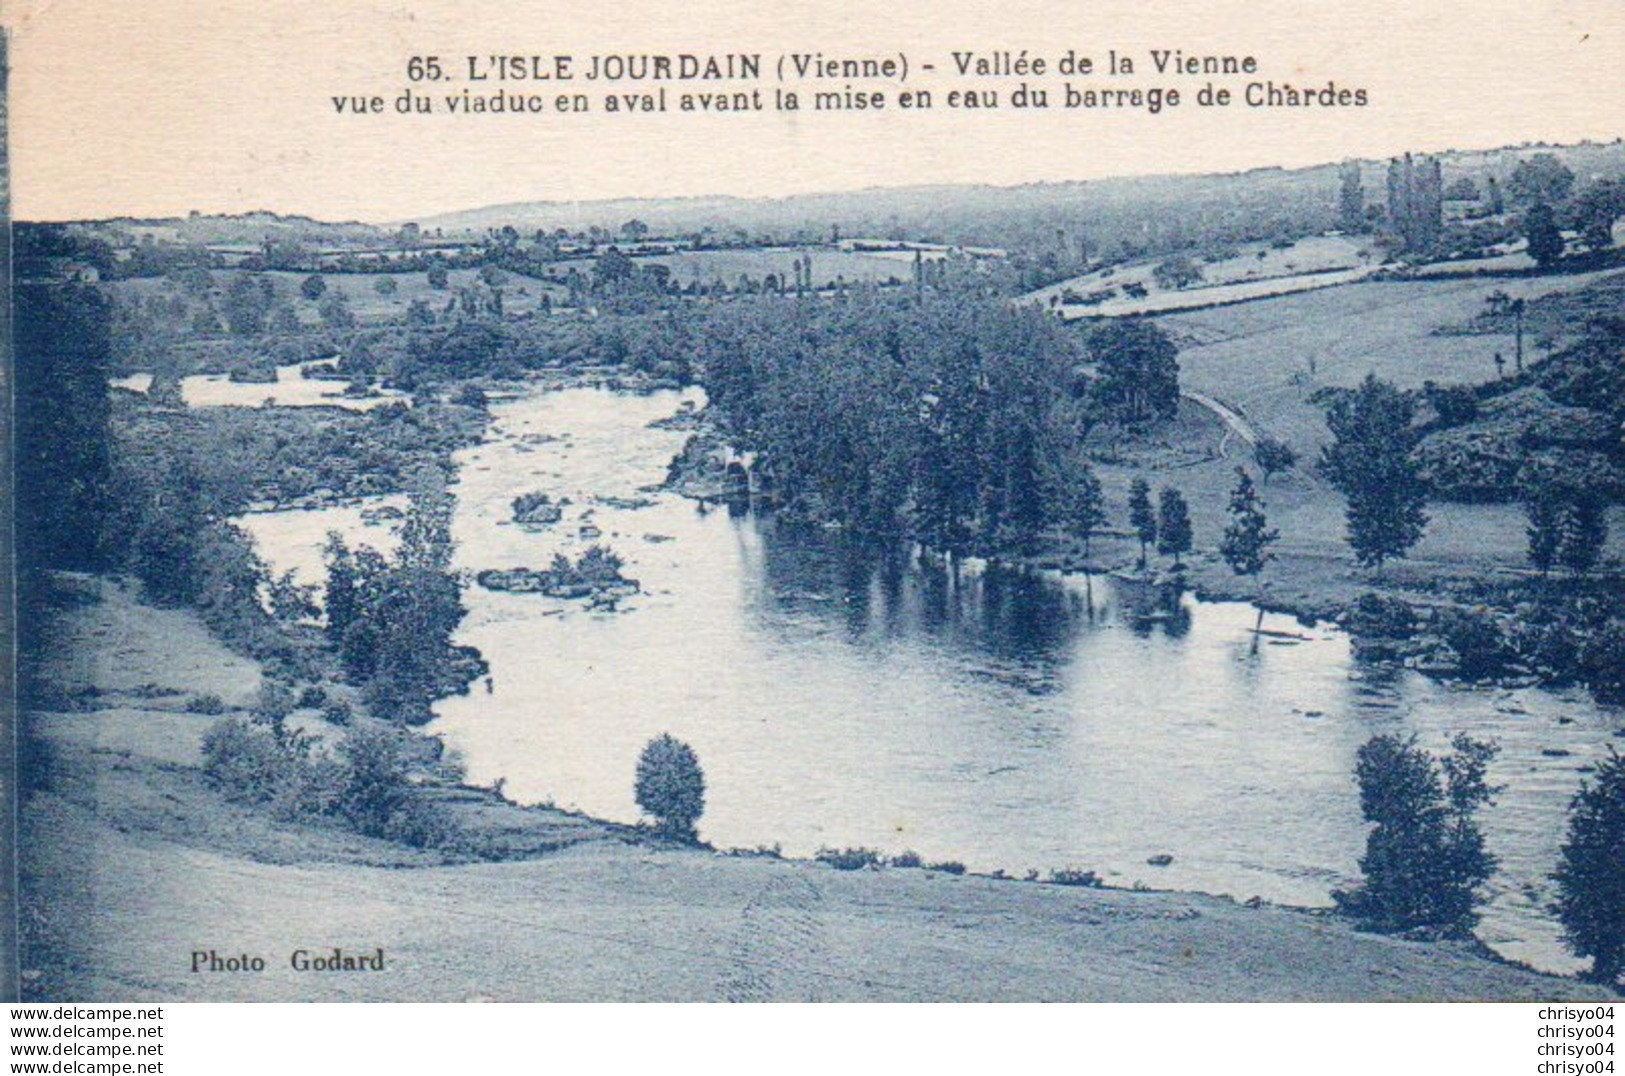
(839,697)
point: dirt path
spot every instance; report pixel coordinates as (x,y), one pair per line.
(131,865)
(1233,421)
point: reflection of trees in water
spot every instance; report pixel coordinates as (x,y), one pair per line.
(881,591)
(1148,608)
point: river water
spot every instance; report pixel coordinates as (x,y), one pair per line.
(838,697)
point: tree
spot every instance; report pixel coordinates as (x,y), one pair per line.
(1176,273)
(247,302)
(1416,202)
(1544,237)
(1141,515)
(63,443)
(1350,197)
(1590,874)
(1273,455)
(1138,370)
(1545,511)
(1541,178)
(670,785)
(1425,862)
(1596,209)
(385,285)
(1462,189)
(1074,499)
(1582,531)
(335,311)
(612,268)
(313,286)
(1173,525)
(1248,536)
(1369,463)
(439,279)
(392,618)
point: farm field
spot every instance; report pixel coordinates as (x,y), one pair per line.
(1266,358)
(520,294)
(828,266)
(1256,271)
(1248,271)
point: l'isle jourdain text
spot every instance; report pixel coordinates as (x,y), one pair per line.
(1151,81)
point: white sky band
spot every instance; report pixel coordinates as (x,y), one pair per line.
(167,106)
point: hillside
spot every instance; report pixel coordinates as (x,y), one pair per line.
(1159,209)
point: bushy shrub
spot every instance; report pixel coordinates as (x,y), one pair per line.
(670,785)
(1476,638)
(1379,616)
(259,763)
(1274,455)
(368,785)
(907,860)
(275,701)
(849,859)
(947,866)
(376,791)
(243,760)
(208,703)
(1071,876)
(470,395)
(312,697)
(1547,644)
(1455,405)
(1602,662)
(598,566)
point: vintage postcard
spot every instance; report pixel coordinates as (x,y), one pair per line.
(820,502)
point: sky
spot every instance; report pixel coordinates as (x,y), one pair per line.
(160,107)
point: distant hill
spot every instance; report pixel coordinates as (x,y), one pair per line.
(250,229)
(1151,211)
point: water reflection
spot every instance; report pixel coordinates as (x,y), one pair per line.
(885,591)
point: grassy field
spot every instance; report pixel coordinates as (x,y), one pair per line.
(1254,271)
(1247,271)
(828,266)
(1265,358)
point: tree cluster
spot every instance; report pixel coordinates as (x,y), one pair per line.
(391,618)
(952,420)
